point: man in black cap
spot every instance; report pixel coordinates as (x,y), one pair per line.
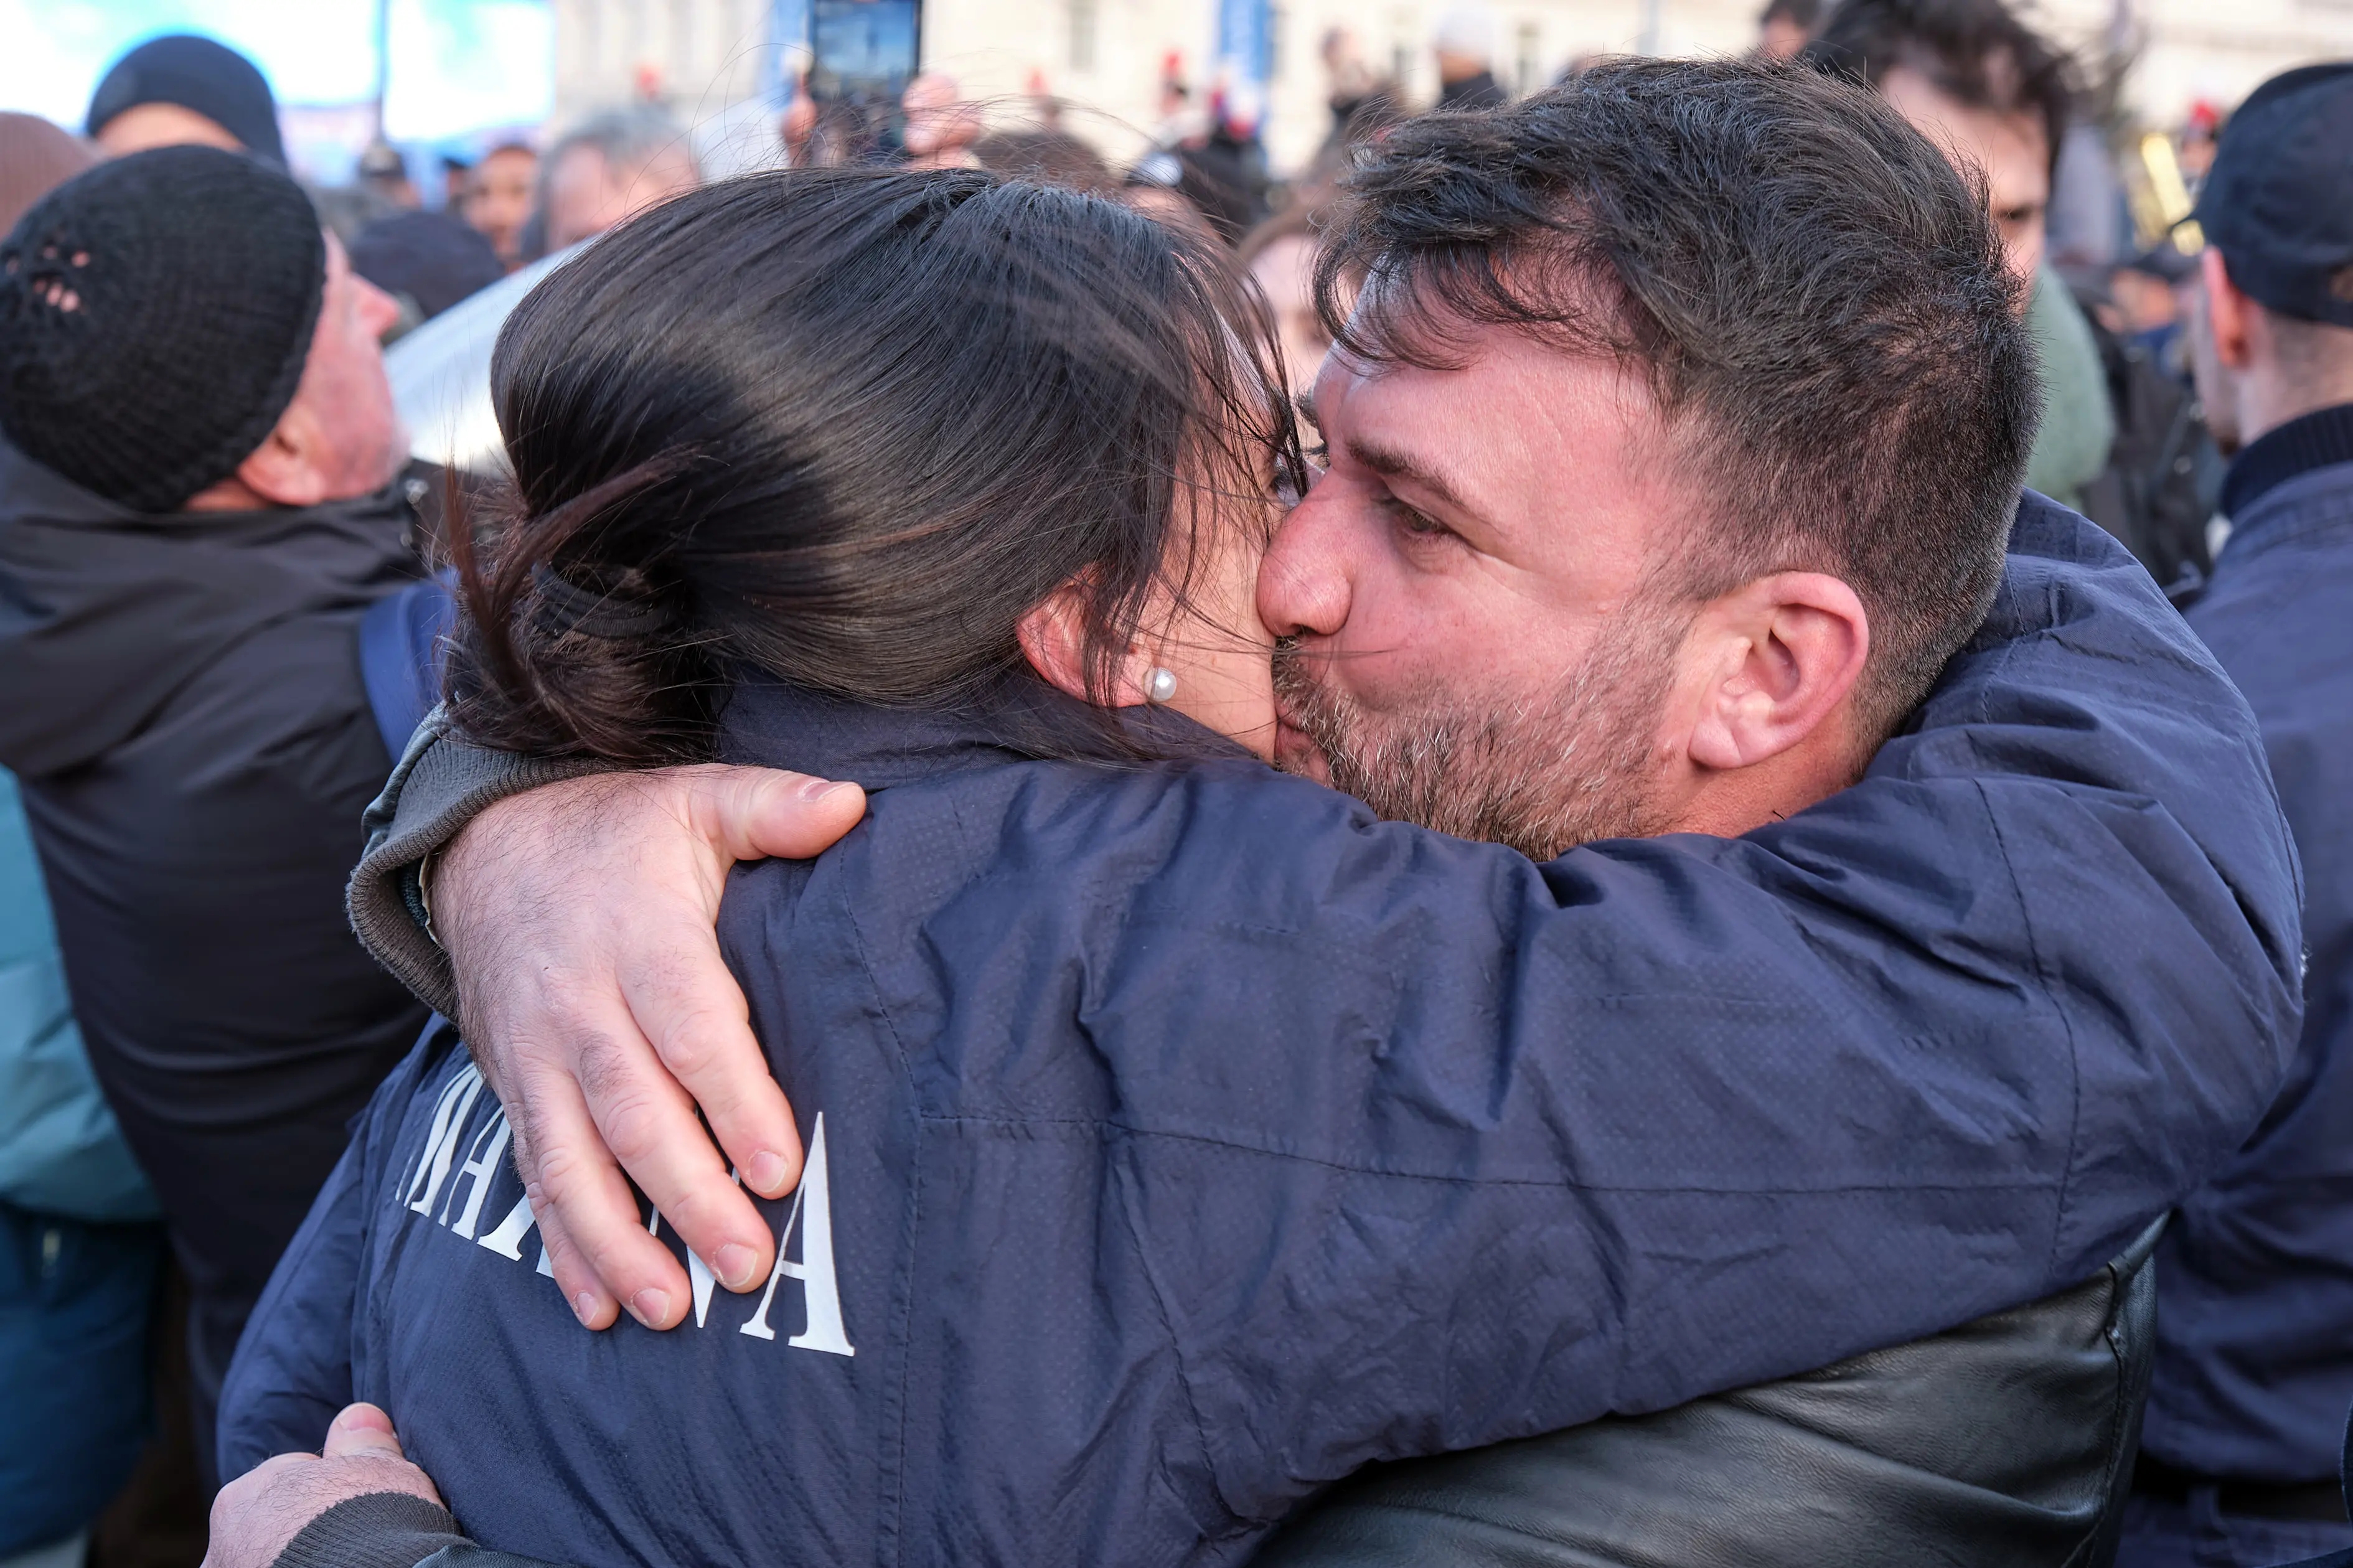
(2255,1372)
(199,501)
(184,89)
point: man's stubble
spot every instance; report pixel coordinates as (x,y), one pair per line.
(1539,774)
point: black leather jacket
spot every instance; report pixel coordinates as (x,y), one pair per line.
(2008,1441)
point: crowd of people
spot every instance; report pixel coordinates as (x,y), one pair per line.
(1616,832)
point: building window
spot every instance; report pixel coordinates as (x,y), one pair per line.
(1525,63)
(1083,35)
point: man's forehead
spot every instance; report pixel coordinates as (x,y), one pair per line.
(1503,381)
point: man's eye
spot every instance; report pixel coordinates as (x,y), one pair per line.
(1418,523)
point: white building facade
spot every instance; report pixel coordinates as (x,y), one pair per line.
(715,62)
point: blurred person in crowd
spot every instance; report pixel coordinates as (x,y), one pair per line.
(498,198)
(797,125)
(35,157)
(79,1255)
(184,89)
(2247,1412)
(1280,254)
(1046,158)
(2146,304)
(2117,437)
(427,262)
(200,499)
(1211,172)
(384,170)
(614,164)
(1352,89)
(1465,46)
(1785,26)
(455,169)
(2193,149)
(941,126)
(1809,236)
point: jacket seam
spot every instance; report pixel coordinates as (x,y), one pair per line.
(893,1525)
(1100,1127)
(2066,1030)
(1175,1350)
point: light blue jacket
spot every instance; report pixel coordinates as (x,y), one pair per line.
(60,1151)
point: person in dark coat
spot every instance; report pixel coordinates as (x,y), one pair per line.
(427,260)
(184,89)
(2254,1370)
(1189,1137)
(1465,47)
(198,499)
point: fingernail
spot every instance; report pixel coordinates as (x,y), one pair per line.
(818,789)
(735,1265)
(649,1306)
(583,1306)
(767,1174)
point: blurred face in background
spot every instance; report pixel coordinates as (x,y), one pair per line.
(2010,146)
(586,194)
(498,198)
(1780,39)
(1286,269)
(150,125)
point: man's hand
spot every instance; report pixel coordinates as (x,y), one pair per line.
(579,920)
(257,1514)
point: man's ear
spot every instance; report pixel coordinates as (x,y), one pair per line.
(2230,317)
(1053,637)
(286,469)
(1779,657)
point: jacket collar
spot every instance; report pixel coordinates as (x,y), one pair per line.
(2315,499)
(1017,719)
(2316,440)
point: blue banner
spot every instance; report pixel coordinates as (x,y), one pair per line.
(1245,54)
(788,52)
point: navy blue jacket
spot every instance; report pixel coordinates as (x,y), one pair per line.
(2254,1369)
(1181,1138)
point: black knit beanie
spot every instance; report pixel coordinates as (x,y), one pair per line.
(198,74)
(155,317)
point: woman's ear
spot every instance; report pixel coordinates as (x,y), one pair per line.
(1053,638)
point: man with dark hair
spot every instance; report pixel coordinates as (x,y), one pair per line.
(2255,1366)
(198,502)
(1996,96)
(1690,522)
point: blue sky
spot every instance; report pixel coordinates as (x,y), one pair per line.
(457,64)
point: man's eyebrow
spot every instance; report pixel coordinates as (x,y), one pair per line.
(1390,463)
(1303,402)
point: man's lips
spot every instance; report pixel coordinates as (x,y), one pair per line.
(1295,752)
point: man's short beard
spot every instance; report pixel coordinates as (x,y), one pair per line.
(1540,774)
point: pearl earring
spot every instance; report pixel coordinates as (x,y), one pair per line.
(1159,685)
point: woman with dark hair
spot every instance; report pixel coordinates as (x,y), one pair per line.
(1178,1138)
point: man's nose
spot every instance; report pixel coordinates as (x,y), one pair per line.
(378,310)
(1304,588)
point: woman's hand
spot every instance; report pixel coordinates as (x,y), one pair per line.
(579,918)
